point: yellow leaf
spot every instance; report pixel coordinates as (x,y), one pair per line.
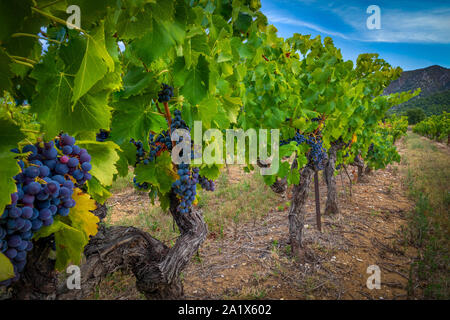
(6,268)
(81,216)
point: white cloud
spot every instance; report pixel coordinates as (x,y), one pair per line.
(274,18)
(430,26)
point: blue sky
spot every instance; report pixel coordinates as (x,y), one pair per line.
(413,34)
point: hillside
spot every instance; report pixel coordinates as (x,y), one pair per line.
(434,82)
(432,104)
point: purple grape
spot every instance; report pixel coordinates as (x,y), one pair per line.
(73,162)
(63,211)
(76,150)
(44,171)
(67,140)
(32,172)
(28,199)
(67,149)
(11,253)
(21,256)
(85,157)
(44,214)
(36,224)
(48,222)
(78,174)
(27,212)
(33,188)
(50,154)
(51,164)
(14,197)
(61,169)
(14,241)
(86,166)
(15,212)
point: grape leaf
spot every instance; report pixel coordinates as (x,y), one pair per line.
(8,169)
(52,101)
(103,158)
(161,37)
(80,215)
(10,136)
(6,268)
(98,192)
(197,82)
(159,172)
(96,62)
(133,118)
(69,242)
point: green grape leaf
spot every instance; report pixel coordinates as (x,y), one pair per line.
(159,173)
(10,136)
(197,82)
(69,243)
(98,192)
(52,103)
(8,169)
(211,172)
(103,158)
(96,62)
(137,79)
(134,118)
(157,42)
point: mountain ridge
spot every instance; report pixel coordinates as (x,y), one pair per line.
(434,82)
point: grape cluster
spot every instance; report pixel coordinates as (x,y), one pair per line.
(317,155)
(298,138)
(141,186)
(186,186)
(102,135)
(207,184)
(166,93)
(44,190)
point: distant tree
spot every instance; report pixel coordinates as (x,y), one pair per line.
(415,115)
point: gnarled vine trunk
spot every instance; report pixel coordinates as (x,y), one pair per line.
(359,163)
(297,212)
(328,174)
(156,267)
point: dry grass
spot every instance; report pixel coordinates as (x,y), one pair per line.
(426,166)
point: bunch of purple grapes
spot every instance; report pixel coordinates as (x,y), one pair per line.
(44,190)
(298,138)
(166,93)
(102,135)
(317,155)
(207,184)
(186,187)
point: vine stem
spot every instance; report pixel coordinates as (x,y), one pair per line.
(159,109)
(24,59)
(29,130)
(23,63)
(21,34)
(168,117)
